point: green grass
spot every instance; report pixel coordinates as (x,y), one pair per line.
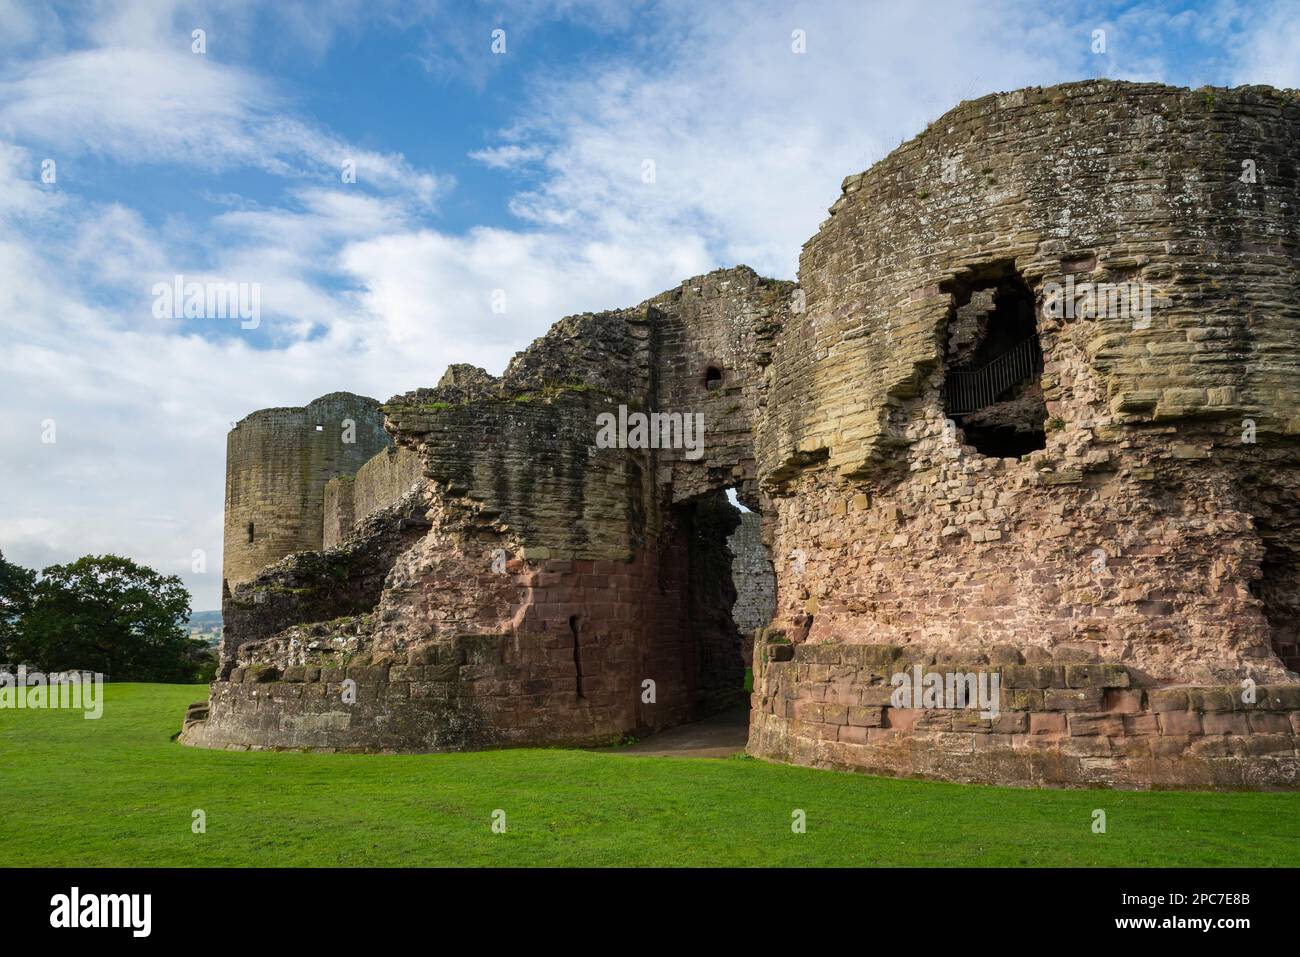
(119,791)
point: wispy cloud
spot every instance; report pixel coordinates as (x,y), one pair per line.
(708,141)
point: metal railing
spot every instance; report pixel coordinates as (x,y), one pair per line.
(968,390)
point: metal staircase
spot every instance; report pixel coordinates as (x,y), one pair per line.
(968,390)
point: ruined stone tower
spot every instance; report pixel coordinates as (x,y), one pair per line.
(277,464)
(1030,418)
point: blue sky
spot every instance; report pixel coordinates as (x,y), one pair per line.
(477,171)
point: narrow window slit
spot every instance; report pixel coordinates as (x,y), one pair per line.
(577,653)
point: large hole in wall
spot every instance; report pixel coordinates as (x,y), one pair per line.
(993,363)
(752,576)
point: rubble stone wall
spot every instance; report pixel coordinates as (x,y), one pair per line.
(751,570)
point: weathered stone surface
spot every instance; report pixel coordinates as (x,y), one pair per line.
(1112,531)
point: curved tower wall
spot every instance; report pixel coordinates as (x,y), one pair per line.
(277,464)
(1139,527)
(1154,533)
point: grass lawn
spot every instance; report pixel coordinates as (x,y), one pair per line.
(119,791)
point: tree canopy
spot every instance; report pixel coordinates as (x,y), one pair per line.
(101,613)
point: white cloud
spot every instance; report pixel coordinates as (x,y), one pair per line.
(361,289)
(1267,48)
(509,156)
(750,140)
(164,104)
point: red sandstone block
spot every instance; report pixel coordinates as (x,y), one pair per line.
(1172,746)
(1264,722)
(993,742)
(1046,722)
(1131,747)
(808,711)
(875,695)
(1218,746)
(835,714)
(931,719)
(882,735)
(1141,724)
(826,732)
(1180,723)
(1268,744)
(1167,699)
(1225,723)
(1295,722)
(866,717)
(1096,675)
(971,721)
(1109,725)
(1211,699)
(1279,697)
(1072,699)
(1119,701)
(902,719)
(955,742)
(1022,699)
(1086,746)
(841,692)
(853,735)
(1011,722)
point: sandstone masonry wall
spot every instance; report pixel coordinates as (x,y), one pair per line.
(1128,563)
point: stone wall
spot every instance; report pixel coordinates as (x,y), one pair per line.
(277,464)
(593,584)
(1146,533)
(1140,557)
(755,582)
(391,474)
(1060,721)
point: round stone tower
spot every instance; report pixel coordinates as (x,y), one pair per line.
(277,464)
(1038,419)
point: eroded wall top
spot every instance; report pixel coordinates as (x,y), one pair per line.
(1191,193)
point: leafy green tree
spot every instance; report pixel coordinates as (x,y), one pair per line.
(105,613)
(16,587)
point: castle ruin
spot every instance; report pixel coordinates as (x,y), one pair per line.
(1031,415)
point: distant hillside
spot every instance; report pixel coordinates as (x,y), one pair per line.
(206,625)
